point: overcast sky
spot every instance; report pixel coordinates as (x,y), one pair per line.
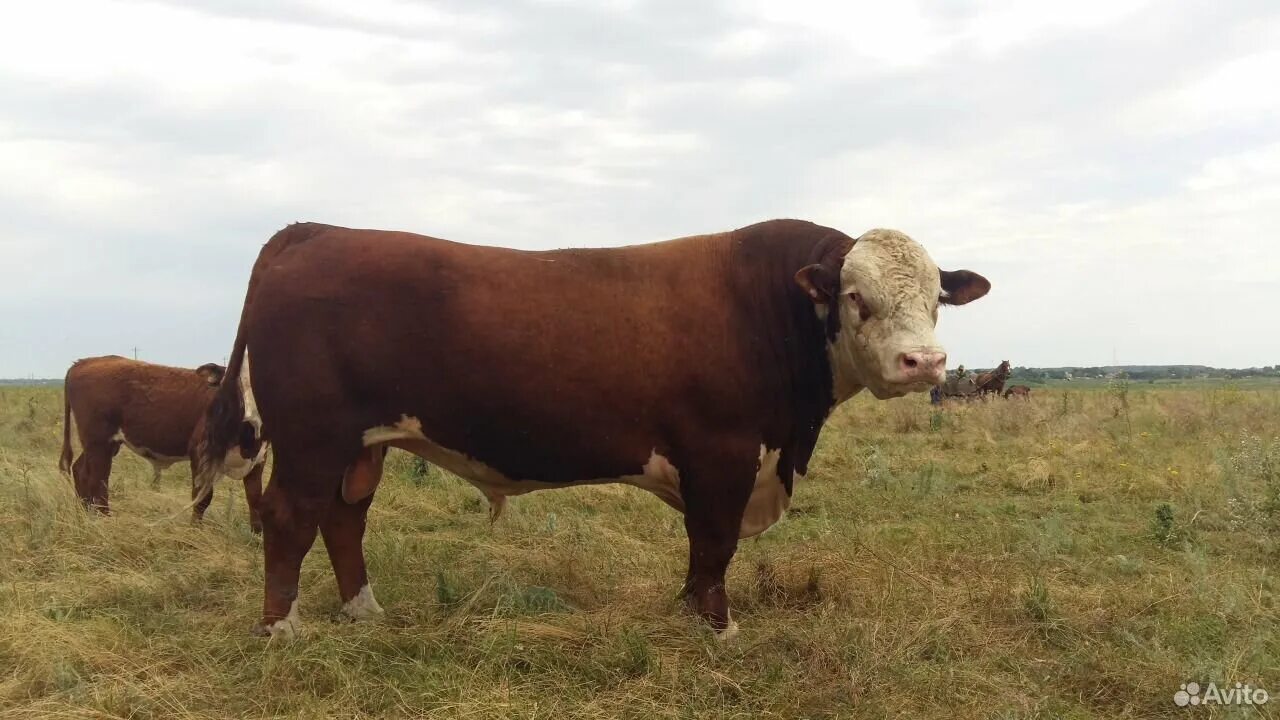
(1113,167)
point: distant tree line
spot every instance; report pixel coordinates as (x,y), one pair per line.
(1142,373)
(1137,373)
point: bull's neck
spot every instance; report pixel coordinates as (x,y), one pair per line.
(792,340)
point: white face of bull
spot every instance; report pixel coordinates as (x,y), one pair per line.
(887,296)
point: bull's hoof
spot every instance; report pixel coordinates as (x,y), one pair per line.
(255,527)
(363,607)
(729,632)
(286,628)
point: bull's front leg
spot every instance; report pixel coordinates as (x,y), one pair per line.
(716,490)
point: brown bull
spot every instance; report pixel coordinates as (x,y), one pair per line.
(155,410)
(700,369)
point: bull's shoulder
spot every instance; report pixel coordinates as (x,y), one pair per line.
(792,241)
(784,226)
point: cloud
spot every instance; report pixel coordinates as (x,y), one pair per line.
(1112,166)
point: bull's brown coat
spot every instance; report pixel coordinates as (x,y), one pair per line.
(546,368)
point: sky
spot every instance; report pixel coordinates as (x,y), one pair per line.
(1112,167)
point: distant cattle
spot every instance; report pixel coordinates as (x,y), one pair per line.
(699,369)
(1021,391)
(154,410)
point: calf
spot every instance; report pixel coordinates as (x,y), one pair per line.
(154,410)
(699,369)
(1021,391)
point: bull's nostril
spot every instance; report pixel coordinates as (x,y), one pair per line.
(910,362)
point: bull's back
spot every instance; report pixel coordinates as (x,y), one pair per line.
(577,358)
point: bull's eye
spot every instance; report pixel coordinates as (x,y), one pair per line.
(864,311)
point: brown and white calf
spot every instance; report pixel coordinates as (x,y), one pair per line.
(155,410)
(1021,391)
(700,369)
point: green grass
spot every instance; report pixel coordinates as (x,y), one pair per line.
(1080,555)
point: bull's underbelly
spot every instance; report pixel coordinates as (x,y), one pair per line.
(769,499)
(157,454)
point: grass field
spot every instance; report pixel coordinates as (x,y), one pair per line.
(1080,555)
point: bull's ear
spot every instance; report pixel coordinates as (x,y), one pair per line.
(212,373)
(819,283)
(962,286)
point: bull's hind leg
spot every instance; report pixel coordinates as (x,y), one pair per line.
(716,490)
(91,472)
(303,486)
(200,506)
(253,496)
(343,530)
(252,493)
(80,477)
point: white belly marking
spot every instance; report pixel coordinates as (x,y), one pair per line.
(769,498)
(657,476)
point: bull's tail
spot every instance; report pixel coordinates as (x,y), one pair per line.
(64,460)
(224,419)
(222,422)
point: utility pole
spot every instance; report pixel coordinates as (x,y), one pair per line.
(135,352)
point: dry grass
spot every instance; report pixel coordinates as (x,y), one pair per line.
(1001,559)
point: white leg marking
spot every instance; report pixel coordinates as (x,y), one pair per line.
(729,632)
(288,627)
(363,606)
